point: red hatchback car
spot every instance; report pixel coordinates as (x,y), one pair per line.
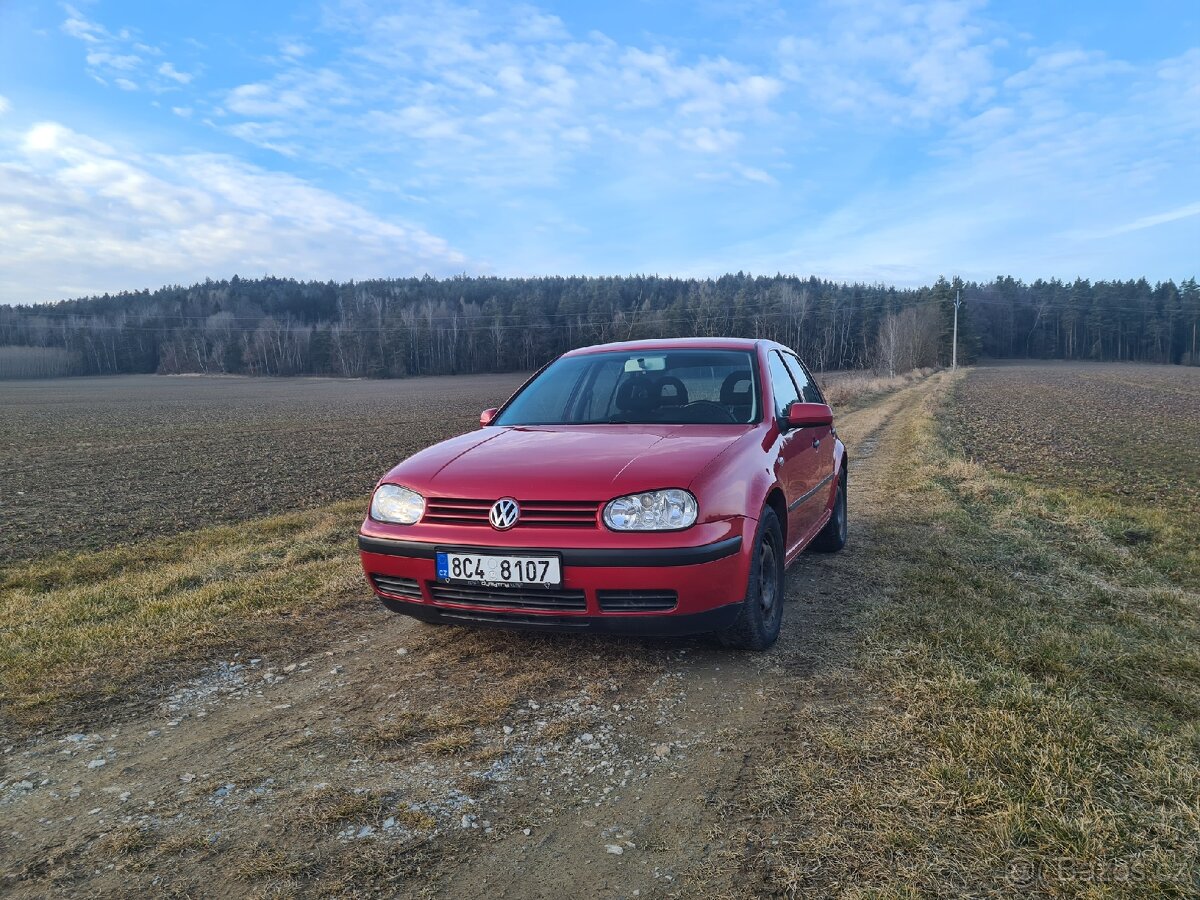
(652,487)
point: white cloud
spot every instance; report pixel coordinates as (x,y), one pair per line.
(1055,180)
(534,25)
(757,175)
(294,49)
(901,60)
(76,211)
(710,140)
(169,71)
(498,98)
(121,62)
(77,26)
(120,58)
(5,105)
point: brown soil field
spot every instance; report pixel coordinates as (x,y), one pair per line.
(1125,430)
(93,461)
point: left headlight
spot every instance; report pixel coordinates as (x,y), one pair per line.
(393,503)
(668,510)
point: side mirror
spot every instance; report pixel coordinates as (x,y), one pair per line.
(485,417)
(804,415)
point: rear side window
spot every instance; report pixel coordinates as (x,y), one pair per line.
(808,388)
(782,385)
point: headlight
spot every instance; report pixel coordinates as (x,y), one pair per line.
(667,510)
(393,503)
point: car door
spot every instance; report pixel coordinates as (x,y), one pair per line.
(794,458)
(820,441)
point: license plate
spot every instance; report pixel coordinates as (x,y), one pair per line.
(492,570)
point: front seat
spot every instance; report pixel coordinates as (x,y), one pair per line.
(737,394)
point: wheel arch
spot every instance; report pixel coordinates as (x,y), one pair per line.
(778,504)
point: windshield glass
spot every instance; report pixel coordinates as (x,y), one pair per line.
(661,387)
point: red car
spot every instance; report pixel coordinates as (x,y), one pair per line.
(652,487)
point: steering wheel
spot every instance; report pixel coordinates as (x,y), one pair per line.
(713,405)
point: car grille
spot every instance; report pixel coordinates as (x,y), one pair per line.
(534,513)
(406,588)
(637,601)
(508,598)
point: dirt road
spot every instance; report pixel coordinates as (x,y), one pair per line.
(408,760)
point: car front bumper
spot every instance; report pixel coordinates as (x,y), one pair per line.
(641,624)
(708,581)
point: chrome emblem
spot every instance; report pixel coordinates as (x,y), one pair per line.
(504,514)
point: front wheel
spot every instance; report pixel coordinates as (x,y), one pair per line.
(832,537)
(758,622)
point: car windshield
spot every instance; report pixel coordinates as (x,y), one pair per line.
(661,387)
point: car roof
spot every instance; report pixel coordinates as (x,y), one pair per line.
(694,343)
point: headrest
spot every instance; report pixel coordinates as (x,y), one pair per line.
(672,392)
(635,395)
(735,389)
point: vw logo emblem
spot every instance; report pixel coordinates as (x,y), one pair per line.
(504,514)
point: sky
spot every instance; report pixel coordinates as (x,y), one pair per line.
(861,140)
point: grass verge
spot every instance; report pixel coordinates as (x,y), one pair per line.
(1027,712)
(848,391)
(80,627)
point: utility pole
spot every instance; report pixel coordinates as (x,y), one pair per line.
(954,348)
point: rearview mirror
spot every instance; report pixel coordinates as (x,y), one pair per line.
(803,415)
(485,417)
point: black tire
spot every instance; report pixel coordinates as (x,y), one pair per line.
(758,622)
(832,537)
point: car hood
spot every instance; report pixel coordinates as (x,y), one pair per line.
(565,462)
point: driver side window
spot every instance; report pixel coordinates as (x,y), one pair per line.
(782,386)
(808,390)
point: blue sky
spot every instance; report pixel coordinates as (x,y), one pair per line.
(866,140)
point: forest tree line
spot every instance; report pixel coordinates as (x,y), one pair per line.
(427,326)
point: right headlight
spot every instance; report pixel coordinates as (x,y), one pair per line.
(396,504)
(668,510)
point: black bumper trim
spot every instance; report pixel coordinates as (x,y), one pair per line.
(670,556)
(674,625)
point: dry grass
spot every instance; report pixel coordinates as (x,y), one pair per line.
(1027,712)
(127,840)
(449,744)
(847,391)
(88,625)
(332,806)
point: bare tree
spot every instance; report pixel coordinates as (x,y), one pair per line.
(887,345)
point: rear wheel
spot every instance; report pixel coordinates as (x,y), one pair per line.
(758,622)
(832,537)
